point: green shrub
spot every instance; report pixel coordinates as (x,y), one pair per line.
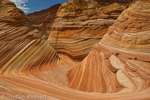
(117,54)
(135,58)
(130,58)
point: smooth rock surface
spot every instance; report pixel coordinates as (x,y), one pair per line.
(30,66)
(80,24)
(131,31)
(22,50)
(118,64)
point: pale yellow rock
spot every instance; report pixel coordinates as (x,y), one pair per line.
(116,63)
(125,82)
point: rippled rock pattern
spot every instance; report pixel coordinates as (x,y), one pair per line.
(79,24)
(120,62)
(30,66)
(13,22)
(21,48)
(131,31)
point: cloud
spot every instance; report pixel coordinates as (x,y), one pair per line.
(21,4)
(24,5)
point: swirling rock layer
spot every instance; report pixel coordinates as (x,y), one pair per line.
(120,62)
(102,71)
(13,22)
(22,49)
(131,31)
(30,66)
(58,92)
(79,24)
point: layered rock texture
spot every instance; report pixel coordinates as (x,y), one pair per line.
(79,24)
(120,62)
(46,16)
(13,22)
(103,2)
(22,49)
(117,68)
(131,31)
(24,53)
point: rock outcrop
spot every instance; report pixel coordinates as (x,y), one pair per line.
(79,24)
(103,2)
(120,62)
(46,16)
(13,22)
(131,31)
(44,19)
(31,69)
(22,49)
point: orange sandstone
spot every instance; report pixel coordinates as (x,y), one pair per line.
(29,65)
(119,63)
(79,24)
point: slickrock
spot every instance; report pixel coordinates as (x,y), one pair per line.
(13,22)
(4,1)
(31,69)
(103,2)
(131,31)
(22,50)
(120,62)
(79,24)
(51,91)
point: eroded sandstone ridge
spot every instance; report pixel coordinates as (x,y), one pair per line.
(131,31)
(120,62)
(30,66)
(13,22)
(22,49)
(79,24)
(111,1)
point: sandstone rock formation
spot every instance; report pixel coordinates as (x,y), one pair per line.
(22,49)
(111,1)
(31,69)
(27,85)
(15,19)
(120,62)
(43,30)
(46,16)
(79,24)
(131,31)
(44,19)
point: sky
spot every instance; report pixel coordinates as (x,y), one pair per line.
(30,6)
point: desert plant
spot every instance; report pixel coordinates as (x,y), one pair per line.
(117,54)
(135,58)
(129,58)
